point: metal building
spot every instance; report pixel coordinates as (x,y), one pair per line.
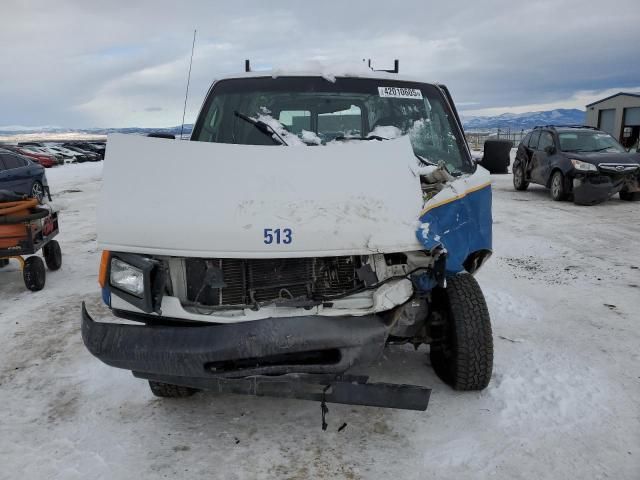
(618,115)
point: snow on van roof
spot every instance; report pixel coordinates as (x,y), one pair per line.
(328,71)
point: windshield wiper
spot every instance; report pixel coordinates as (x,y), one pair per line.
(425,161)
(369,137)
(263,127)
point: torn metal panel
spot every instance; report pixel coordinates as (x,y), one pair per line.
(458,219)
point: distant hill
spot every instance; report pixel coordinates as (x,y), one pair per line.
(16,129)
(524,121)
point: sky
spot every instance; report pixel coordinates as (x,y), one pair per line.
(83,64)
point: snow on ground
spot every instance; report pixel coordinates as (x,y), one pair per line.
(562,287)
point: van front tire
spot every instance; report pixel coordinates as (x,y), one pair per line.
(463,356)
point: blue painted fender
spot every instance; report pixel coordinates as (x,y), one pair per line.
(459,219)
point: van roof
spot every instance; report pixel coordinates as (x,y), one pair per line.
(329,73)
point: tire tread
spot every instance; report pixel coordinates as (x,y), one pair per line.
(34,274)
(473,339)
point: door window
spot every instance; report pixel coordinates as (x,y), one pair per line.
(12,161)
(533,141)
(546,140)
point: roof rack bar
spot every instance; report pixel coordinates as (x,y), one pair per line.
(396,67)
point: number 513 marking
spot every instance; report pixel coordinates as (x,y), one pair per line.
(278,236)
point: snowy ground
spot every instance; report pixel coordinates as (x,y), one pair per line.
(563,288)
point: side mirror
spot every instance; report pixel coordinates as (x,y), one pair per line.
(550,149)
(162,135)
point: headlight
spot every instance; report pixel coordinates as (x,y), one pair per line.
(584,166)
(126,277)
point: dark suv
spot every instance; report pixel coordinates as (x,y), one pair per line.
(584,163)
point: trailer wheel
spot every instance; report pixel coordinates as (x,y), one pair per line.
(52,255)
(167,390)
(463,355)
(34,274)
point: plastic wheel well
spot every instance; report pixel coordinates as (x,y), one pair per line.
(553,171)
(476,259)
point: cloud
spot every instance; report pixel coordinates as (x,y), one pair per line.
(73,64)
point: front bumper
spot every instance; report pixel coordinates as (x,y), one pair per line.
(271,357)
(595,188)
(273,346)
(591,190)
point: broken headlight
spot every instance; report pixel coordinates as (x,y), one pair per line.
(127,277)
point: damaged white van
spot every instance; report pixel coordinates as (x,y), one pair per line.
(311,221)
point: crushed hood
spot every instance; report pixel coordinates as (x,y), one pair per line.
(201,199)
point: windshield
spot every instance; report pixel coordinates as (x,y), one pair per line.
(314,112)
(588,142)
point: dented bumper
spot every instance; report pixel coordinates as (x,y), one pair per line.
(300,357)
(273,346)
(591,190)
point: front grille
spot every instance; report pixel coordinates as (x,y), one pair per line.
(217,282)
(618,169)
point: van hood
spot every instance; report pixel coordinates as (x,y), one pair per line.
(196,199)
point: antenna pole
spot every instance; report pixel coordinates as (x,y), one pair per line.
(186,95)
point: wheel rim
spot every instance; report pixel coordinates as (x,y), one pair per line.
(517,176)
(555,188)
(37,191)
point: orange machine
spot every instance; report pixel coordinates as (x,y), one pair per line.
(26,228)
(12,233)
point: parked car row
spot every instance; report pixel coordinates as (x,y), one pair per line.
(49,154)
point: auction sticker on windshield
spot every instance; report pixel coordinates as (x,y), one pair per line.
(398,92)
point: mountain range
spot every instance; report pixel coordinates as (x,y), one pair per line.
(18,129)
(513,121)
(525,121)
